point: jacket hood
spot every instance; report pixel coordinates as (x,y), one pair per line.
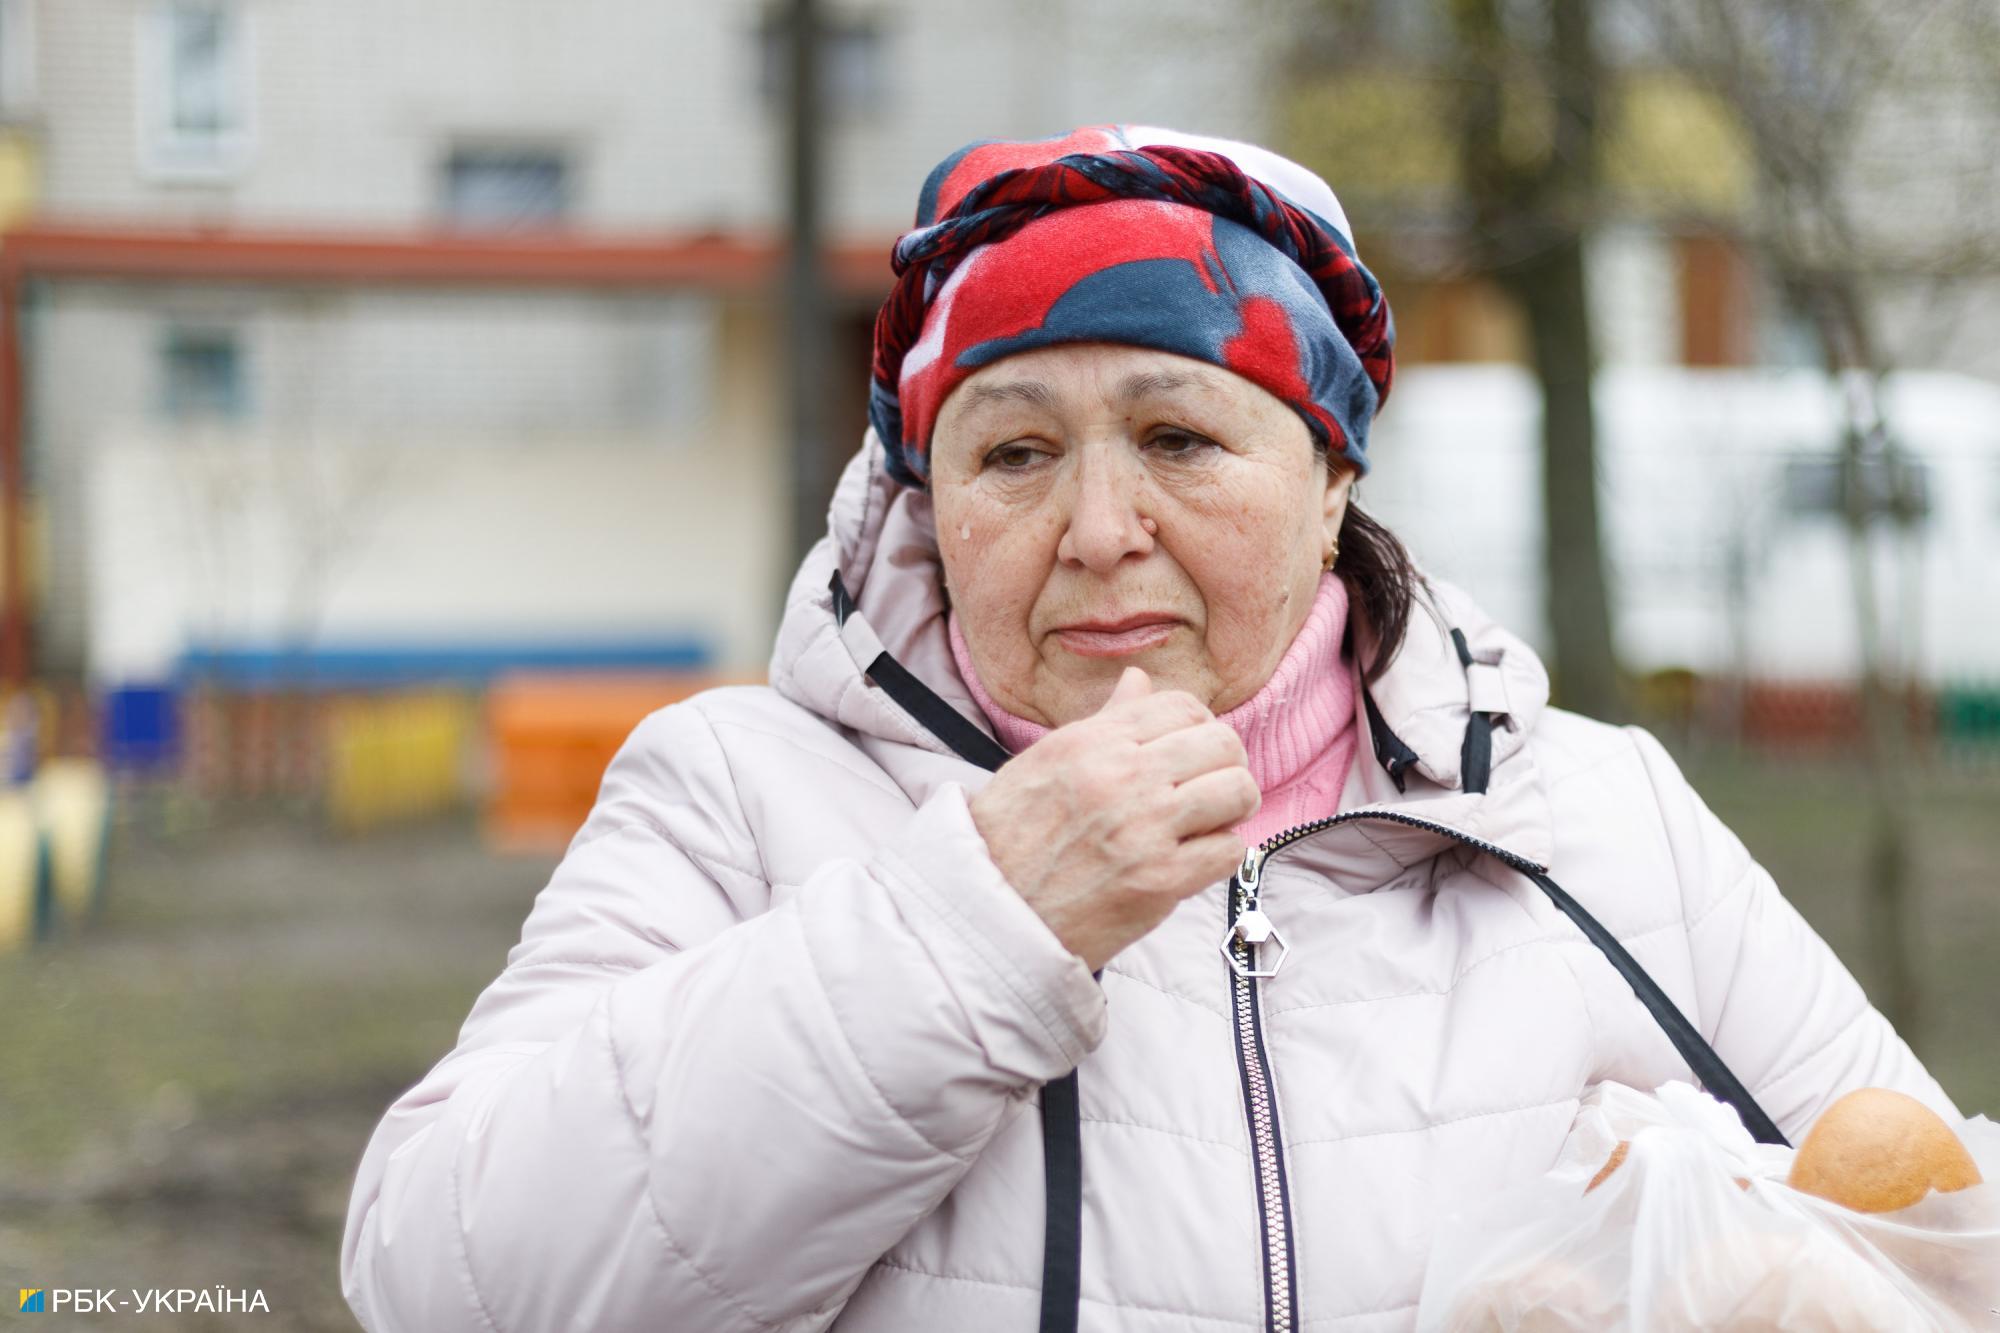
(882,541)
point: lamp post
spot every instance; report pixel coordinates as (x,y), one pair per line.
(805,303)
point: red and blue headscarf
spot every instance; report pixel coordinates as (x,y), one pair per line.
(1139,236)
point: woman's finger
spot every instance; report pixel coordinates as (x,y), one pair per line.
(1155,715)
(1200,862)
(1219,799)
(1192,751)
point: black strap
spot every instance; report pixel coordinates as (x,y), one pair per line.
(920,701)
(1700,1056)
(1062,1179)
(1475,757)
(1390,751)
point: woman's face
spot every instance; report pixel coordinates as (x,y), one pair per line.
(1101,484)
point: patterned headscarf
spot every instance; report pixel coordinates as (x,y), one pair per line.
(1209,248)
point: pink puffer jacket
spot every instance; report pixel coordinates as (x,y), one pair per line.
(769,1053)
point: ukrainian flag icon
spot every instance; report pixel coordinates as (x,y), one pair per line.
(32,1300)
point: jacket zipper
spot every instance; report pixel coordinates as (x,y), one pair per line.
(1254,1064)
(1249,931)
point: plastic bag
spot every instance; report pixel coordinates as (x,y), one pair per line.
(1697,1230)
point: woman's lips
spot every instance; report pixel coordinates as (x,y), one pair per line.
(1115,642)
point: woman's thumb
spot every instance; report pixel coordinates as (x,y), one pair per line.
(1134,684)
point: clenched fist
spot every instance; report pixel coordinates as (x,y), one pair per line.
(1105,824)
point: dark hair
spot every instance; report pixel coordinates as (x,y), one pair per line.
(1382,583)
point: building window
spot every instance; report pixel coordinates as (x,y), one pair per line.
(195,94)
(503,188)
(203,376)
(1895,486)
(853,64)
(1718,316)
(17,57)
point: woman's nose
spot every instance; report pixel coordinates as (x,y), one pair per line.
(1105,522)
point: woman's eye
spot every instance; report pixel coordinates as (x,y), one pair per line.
(1012,457)
(1180,444)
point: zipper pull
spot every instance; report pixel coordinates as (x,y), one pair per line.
(1252,928)
(1247,873)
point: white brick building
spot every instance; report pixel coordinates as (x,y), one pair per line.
(608,118)
(602,117)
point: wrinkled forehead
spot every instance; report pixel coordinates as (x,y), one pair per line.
(1091,376)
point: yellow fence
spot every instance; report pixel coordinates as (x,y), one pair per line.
(396,756)
(52,844)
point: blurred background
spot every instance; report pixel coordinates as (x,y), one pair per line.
(398,401)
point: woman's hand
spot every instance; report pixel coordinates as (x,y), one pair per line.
(1105,824)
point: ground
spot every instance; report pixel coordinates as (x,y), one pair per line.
(189,1080)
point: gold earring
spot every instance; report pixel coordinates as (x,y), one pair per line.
(1332,555)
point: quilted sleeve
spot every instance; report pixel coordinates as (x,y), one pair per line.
(682,1106)
(1779,1007)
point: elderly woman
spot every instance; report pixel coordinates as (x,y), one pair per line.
(1140,900)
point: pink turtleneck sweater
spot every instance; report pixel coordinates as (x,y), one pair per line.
(1298,729)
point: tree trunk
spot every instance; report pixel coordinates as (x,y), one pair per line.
(1528,224)
(808,324)
(1552,291)
(1890,897)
